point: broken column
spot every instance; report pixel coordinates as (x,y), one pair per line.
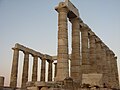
(25,69)
(62,57)
(75,56)
(35,67)
(14,72)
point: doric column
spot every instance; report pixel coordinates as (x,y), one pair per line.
(25,69)
(43,68)
(116,72)
(50,70)
(14,72)
(55,71)
(109,67)
(62,56)
(113,76)
(75,56)
(35,68)
(104,64)
(84,43)
(92,52)
(98,56)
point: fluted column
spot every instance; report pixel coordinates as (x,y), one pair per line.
(25,69)
(98,56)
(92,52)
(14,72)
(55,71)
(62,55)
(50,70)
(43,68)
(35,68)
(113,76)
(75,57)
(104,64)
(84,40)
(116,72)
(109,67)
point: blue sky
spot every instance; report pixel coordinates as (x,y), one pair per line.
(33,23)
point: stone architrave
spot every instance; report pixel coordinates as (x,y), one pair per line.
(62,56)
(14,72)
(75,56)
(35,68)
(25,69)
(43,68)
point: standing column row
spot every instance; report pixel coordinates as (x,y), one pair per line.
(14,70)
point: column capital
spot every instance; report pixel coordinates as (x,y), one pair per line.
(25,52)
(112,53)
(14,48)
(115,57)
(50,61)
(76,19)
(62,7)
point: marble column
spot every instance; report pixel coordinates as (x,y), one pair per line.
(14,72)
(50,70)
(75,56)
(113,75)
(35,68)
(43,69)
(104,64)
(92,53)
(116,72)
(55,71)
(113,80)
(84,43)
(62,55)
(98,56)
(108,67)
(110,79)
(25,69)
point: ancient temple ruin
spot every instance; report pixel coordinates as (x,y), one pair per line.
(92,62)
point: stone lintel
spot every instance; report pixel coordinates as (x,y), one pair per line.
(31,51)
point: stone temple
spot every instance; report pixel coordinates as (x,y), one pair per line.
(90,66)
